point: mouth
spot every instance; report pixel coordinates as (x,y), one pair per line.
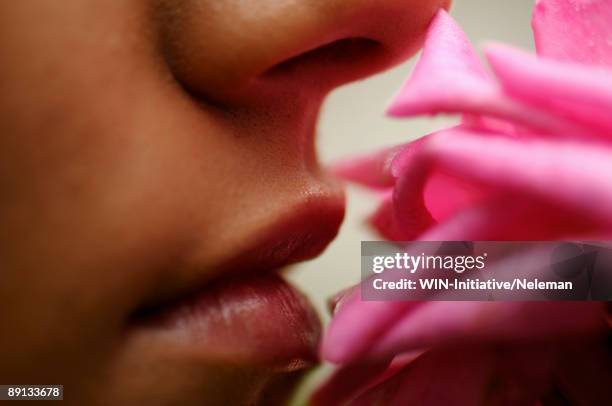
(257,320)
(248,314)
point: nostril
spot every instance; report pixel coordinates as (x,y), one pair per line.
(344,58)
(232,53)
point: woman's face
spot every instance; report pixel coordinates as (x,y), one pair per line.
(157,168)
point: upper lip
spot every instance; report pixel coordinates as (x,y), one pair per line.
(299,236)
(302,233)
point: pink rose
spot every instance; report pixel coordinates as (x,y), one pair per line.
(530,160)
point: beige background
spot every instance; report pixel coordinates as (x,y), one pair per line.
(353,122)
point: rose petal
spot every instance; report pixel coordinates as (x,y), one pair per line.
(371,170)
(423,195)
(347,383)
(449,78)
(565,174)
(461,375)
(445,194)
(423,200)
(356,325)
(467,376)
(411,212)
(574,30)
(416,325)
(578,93)
(506,217)
(384,221)
(459,184)
(350,381)
(448,322)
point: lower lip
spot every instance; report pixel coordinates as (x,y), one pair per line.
(255,321)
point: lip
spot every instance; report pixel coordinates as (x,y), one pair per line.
(248,314)
(257,320)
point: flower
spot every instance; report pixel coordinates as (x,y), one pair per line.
(530,160)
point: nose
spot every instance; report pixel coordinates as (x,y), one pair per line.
(226,49)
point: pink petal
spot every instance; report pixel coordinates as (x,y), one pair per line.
(411,211)
(350,381)
(407,219)
(407,155)
(473,191)
(448,322)
(371,170)
(574,30)
(449,78)
(581,94)
(347,383)
(483,222)
(460,379)
(445,194)
(511,216)
(357,325)
(425,200)
(570,175)
(492,124)
(364,330)
(467,375)
(423,195)
(384,221)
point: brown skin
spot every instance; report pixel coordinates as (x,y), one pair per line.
(150,146)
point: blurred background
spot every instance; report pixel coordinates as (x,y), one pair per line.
(353,122)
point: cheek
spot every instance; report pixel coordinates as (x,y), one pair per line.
(95,170)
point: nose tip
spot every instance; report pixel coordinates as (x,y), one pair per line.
(221,49)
